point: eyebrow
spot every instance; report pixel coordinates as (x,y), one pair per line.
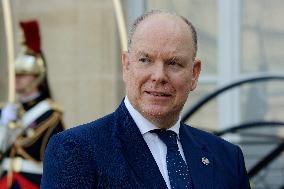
(175,58)
(140,53)
(147,55)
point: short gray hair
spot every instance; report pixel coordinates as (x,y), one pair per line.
(157,12)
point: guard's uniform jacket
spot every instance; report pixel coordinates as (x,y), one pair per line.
(22,165)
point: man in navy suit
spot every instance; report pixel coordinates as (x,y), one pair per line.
(126,149)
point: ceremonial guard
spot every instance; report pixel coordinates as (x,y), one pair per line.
(26,126)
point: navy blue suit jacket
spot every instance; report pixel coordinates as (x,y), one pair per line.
(111,153)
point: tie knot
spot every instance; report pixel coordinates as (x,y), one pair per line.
(167,136)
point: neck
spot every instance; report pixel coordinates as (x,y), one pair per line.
(25,97)
(164,122)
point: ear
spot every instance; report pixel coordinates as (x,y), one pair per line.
(125,64)
(195,73)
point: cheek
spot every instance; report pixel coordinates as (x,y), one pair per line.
(20,82)
(27,81)
(183,82)
(137,77)
(131,81)
(184,89)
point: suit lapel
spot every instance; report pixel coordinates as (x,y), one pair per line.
(196,157)
(136,151)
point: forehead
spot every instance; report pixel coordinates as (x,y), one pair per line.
(167,34)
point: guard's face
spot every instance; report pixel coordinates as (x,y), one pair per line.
(24,81)
(158,71)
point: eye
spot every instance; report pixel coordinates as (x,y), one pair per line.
(172,62)
(144,59)
(175,62)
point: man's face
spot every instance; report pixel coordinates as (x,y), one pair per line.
(23,81)
(158,71)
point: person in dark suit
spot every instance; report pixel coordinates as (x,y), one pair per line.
(143,144)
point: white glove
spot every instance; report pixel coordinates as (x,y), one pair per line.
(3,138)
(8,114)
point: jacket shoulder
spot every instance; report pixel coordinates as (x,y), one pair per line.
(95,133)
(207,138)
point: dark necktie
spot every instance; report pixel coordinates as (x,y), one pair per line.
(177,169)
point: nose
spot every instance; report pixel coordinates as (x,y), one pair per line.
(158,73)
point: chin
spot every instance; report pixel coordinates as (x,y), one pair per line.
(156,112)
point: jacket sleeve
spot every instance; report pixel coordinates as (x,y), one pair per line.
(244,181)
(68,163)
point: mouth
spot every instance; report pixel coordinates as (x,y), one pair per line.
(158,94)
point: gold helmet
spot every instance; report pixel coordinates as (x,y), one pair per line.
(29,64)
(30,60)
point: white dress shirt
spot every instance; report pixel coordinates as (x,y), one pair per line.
(155,144)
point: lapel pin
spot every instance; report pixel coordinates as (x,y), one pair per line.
(205,161)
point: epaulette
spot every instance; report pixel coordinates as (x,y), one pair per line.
(55,106)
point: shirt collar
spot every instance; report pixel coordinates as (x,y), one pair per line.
(142,123)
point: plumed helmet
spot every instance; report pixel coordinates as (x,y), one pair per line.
(29,60)
(31,34)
